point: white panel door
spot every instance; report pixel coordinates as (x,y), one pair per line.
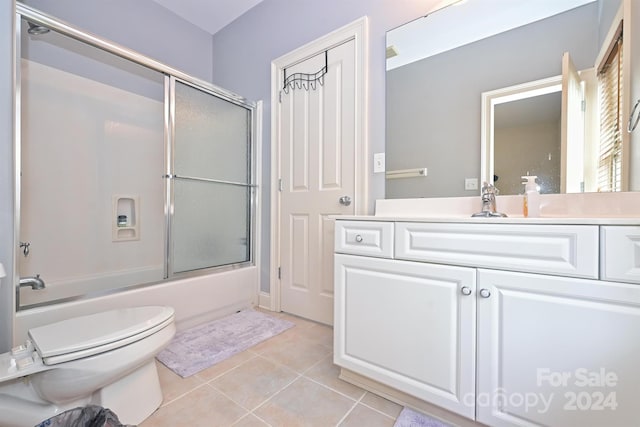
(317,138)
(557,351)
(408,325)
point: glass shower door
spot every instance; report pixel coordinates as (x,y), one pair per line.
(211,185)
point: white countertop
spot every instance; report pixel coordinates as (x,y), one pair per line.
(577,208)
(508,220)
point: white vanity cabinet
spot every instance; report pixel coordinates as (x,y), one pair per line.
(504,324)
(408,325)
(557,351)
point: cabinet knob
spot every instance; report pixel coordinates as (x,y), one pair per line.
(484,293)
(358,238)
(466,290)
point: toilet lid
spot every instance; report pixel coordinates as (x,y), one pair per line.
(99,330)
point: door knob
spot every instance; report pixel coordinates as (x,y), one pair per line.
(484,293)
(466,290)
(345,200)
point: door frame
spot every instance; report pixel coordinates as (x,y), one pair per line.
(357,31)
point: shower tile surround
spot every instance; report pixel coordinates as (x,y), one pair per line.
(288,380)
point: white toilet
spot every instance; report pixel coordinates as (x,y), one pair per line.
(104,359)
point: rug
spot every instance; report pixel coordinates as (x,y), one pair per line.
(198,348)
(411,418)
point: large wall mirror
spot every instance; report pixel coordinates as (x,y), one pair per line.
(490,90)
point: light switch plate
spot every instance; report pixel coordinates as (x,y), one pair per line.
(471,183)
(378,163)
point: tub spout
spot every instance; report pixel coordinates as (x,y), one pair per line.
(34,282)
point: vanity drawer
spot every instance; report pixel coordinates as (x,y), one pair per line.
(369,238)
(566,250)
(620,253)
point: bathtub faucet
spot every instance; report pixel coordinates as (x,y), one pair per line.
(34,282)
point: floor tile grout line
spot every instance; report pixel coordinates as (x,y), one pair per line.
(182,395)
(262,403)
(355,405)
(378,410)
(230,398)
(280,364)
(274,395)
(228,370)
(344,417)
(302,371)
(334,390)
(249,414)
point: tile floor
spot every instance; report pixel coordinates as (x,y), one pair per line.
(286,381)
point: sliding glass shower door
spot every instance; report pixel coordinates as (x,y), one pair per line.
(128,172)
(211,181)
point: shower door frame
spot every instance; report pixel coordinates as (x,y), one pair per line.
(170,74)
(170,108)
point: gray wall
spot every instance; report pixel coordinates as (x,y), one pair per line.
(244,50)
(435,119)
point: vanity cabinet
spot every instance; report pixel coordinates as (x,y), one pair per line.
(409,325)
(556,351)
(504,324)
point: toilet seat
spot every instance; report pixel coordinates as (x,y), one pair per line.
(86,336)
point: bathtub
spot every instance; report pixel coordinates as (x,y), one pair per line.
(195,300)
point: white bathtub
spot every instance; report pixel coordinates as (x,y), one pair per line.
(78,286)
(195,300)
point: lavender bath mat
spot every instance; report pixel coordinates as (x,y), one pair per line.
(410,418)
(203,346)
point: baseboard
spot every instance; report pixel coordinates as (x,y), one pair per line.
(264,301)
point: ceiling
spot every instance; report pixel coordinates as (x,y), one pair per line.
(210,15)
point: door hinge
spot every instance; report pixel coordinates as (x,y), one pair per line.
(279,273)
(583,105)
(280,184)
(280,96)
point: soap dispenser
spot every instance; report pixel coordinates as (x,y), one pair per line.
(531,203)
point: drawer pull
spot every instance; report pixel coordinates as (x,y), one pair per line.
(358,238)
(484,293)
(466,290)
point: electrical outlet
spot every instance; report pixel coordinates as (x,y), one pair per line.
(471,183)
(378,163)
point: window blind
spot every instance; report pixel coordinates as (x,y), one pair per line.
(610,85)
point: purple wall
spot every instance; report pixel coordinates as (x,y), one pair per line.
(243,52)
(140,25)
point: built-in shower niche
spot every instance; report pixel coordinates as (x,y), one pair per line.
(125,223)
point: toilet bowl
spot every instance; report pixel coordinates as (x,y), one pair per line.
(104,359)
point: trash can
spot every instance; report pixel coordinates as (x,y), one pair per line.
(87,416)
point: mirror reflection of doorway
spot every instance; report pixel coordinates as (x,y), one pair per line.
(527,141)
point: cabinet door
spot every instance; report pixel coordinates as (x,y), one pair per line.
(408,325)
(557,351)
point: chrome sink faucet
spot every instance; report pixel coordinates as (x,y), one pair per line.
(488,196)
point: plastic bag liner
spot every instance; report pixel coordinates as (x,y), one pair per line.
(87,416)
